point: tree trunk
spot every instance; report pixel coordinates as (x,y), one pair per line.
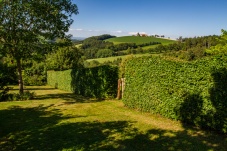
(20,80)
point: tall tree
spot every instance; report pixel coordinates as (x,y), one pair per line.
(27,24)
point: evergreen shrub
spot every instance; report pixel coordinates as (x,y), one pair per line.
(193,92)
(99,82)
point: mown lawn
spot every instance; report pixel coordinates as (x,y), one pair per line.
(58,120)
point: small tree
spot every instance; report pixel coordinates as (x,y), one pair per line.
(221,47)
(64,58)
(25,25)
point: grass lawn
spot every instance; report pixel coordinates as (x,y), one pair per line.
(58,120)
(102,60)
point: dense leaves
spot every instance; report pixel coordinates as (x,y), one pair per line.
(26,25)
(194,92)
(221,47)
(99,82)
(187,48)
(98,47)
(3,83)
(63,58)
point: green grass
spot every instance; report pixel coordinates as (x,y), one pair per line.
(102,60)
(139,40)
(78,45)
(58,120)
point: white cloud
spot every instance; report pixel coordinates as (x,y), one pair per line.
(118,31)
(134,33)
(77,32)
(73,29)
(142,32)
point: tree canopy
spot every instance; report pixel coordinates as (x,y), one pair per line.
(26,25)
(221,47)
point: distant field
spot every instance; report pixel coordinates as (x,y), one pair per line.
(148,47)
(78,45)
(139,40)
(102,60)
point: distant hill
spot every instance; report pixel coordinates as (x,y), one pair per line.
(139,40)
(78,38)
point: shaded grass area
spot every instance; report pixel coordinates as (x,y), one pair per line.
(57,120)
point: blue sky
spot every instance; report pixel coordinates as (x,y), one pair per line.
(172,18)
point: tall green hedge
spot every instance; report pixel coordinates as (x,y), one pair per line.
(60,79)
(96,82)
(194,92)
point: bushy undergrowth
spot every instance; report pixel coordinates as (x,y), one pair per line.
(194,92)
(27,95)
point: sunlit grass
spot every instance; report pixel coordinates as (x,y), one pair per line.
(58,120)
(111,59)
(139,40)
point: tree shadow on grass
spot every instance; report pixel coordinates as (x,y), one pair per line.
(69,97)
(33,88)
(207,112)
(39,128)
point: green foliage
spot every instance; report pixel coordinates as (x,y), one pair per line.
(3,92)
(96,42)
(63,58)
(103,53)
(221,47)
(27,95)
(60,79)
(8,73)
(194,92)
(25,26)
(90,64)
(187,48)
(139,40)
(7,76)
(96,82)
(94,46)
(35,74)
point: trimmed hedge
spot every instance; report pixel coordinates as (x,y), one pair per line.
(99,82)
(194,92)
(60,79)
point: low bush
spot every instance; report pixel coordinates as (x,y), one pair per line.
(27,95)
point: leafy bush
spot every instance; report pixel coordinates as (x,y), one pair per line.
(64,58)
(103,53)
(4,93)
(27,95)
(4,78)
(35,75)
(194,92)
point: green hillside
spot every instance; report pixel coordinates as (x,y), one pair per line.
(139,40)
